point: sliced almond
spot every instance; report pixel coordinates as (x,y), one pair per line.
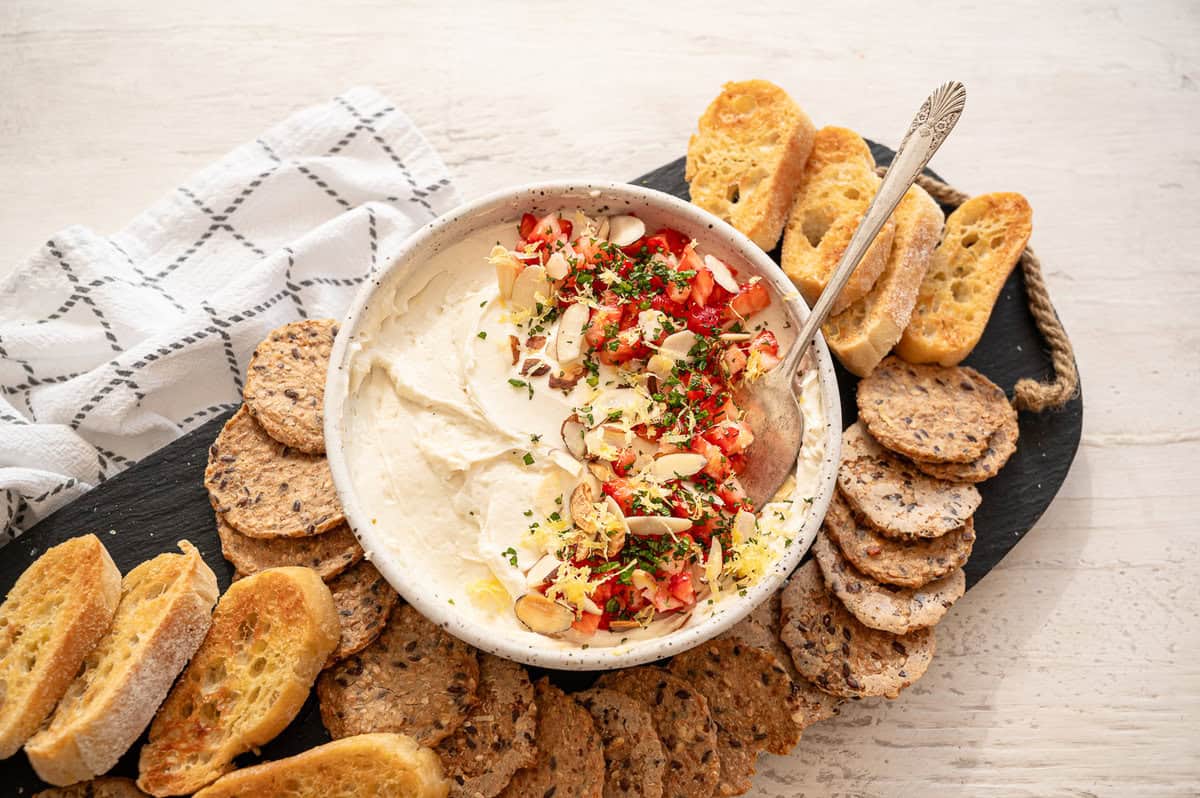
(623,626)
(542,615)
(583,514)
(616,537)
(628,402)
(660,365)
(715,562)
(624,230)
(568,344)
(721,274)
(557,266)
(542,570)
(643,580)
(602,229)
(507,267)
(677,345)
(531,284)
(650,323)
(744,525)
(572,435)
(602,471)
(656,525)
(735,338)
(680,464)
(605,441)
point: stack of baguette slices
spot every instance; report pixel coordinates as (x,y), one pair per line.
(927,286)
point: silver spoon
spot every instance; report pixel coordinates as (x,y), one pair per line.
(770,404)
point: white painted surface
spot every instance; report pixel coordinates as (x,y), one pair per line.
(1074,667)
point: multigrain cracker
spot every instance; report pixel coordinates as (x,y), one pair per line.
(898,610)
(761,628)
(108,787)
(285,384)
(497,738)
(265,489)
(931,413)
(683,723)
(570,762)
(364,601)
(1000,447)
(414,679)
(906,563)
(634,759)
(894,497)
(837,652)
(328,554)
(751,699)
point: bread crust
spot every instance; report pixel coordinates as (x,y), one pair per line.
(865,332)
(983,241)
(166,605)
(66,599)
(753,140)
(368,764)
(270,635)
(837,186)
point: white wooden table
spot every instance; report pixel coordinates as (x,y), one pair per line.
(1074,667)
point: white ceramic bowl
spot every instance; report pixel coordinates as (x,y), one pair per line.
(594,197)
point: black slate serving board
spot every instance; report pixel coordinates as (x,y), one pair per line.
(145,510)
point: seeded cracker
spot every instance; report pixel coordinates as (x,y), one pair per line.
(328,554)
(894,497)
(415,679)
(364,602)
(683,724)
(634,760)
(1000,447)
(264,489)
(285,384)
(761,628)
(497,738)
(931,413)
(906,563)
(569,761)
(898,610)
(752,701)
(837,652)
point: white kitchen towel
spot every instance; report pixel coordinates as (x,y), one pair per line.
(113,346)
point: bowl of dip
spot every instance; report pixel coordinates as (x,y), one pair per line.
(531,422)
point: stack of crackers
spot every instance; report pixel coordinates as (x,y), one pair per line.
(272,490)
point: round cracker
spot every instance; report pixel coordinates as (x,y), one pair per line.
(750,695)
(1000,447)
(931,413)
(285,383)
(265,489)
(364,602)
(497,738)
(894,497)
(570,762)
(683,723)
(898,610)
(906,563)
(761,628)
(634,760)
(837,652)
(328,554)
(414,679)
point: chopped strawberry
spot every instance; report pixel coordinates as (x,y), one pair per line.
(767,347)
(702,286)
(734,496)
(527,226)
(621,492)
(704,320)
(599,324)
(587,623)
(681,588)
(624,461)
(675,240)
(750,300)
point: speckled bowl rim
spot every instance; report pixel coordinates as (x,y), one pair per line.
(464,220)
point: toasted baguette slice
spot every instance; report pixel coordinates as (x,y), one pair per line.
(270,635)
(100,788)
(53,617)
(983,240)
(165,611)
(394,765)
(864,333)
(745,163)
(838,184)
